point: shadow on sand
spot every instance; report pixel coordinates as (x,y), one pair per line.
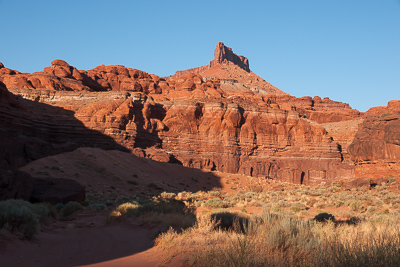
(31,130)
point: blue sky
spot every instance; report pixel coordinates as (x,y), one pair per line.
(347,50)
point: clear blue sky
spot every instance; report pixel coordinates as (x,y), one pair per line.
(348,50)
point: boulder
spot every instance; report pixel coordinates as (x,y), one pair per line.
(15,184)
(324,217)
(59,62)
(57,190)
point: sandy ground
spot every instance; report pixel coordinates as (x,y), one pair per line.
(88,241)
(112,172)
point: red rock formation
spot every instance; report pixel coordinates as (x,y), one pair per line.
(392,107)
(219,135)
(343,132)
(236,80)
(227,66)
(60,76)
(254,141)
(57,190)
(225,54)
(226,119)
(33,129)
(376,147)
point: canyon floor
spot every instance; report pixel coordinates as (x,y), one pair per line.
(93,238)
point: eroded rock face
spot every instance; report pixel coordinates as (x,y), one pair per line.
(376,147)
(236,81)
(223,53)
(392,107)
(33,128)
(60,76)
(222,135)
(220,117)
(254,141)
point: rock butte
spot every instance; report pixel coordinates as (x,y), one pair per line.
(220,116)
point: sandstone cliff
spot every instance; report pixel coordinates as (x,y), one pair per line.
(376,146)
(237,81)
(34,129)
(215,135)
(230,121)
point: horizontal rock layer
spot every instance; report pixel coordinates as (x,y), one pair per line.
(219,117)
(214,135)
(376,147)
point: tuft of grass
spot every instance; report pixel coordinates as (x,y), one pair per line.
(70,208)
(129,209)
(273,239)
(356,206)
(214,203)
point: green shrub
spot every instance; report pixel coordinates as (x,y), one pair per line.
(296,208)
(356,206)
(70,208)
(171,206)
(18,216)
(168,195)
(214,193)
(129,209)
(214,203)
(372,209)
(44,211)
(59,206)
(199,203)
(97,207)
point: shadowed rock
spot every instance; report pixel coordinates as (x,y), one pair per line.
(57,190)
(15,184)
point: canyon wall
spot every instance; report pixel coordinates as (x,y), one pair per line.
(220,117)
(375,149)
(214,135)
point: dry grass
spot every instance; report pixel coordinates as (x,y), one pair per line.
(273,239)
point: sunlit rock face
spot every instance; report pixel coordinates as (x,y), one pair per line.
(217,117)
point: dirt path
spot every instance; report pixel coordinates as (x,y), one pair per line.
(108,245)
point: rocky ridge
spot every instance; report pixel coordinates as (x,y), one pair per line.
(207,123)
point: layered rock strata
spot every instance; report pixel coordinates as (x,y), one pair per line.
(376,147)
(230,121)
(214,135)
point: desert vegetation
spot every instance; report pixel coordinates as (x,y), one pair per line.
(26,219)
(23,218)
(301,226)
(271,224)
(276,239)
